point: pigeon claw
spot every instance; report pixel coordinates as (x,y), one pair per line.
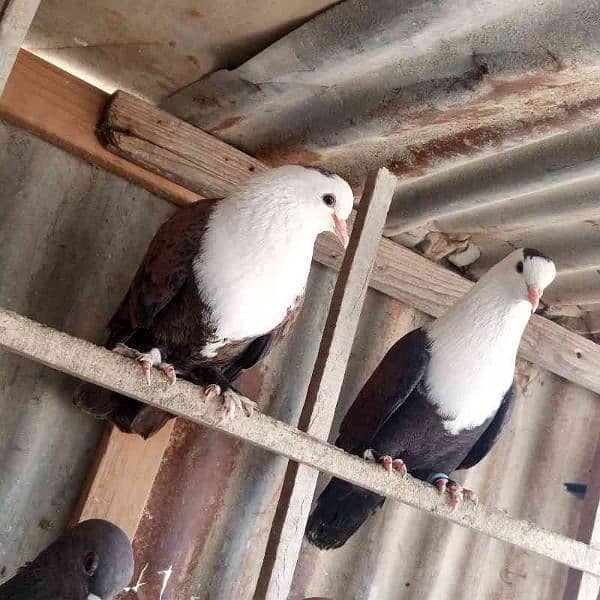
(454,492)
(169,371)
(146,367)
(386,461)
(212,391)
(148,360)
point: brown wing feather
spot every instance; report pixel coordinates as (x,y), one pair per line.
(389,386)
(164,271)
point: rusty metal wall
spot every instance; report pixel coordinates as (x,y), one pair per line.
(71,237)
(155,47)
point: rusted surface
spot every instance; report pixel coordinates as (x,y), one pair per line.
(186,504)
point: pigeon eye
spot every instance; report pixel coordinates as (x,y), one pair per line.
(329,199)
(90,563)
(519,266)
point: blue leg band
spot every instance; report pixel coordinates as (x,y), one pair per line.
(435,476)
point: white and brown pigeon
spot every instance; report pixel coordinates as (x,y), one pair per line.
(220,283)
(91,561)
(440,397)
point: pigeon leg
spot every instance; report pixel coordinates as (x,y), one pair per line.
(456,493)
(149,359)
(389,464)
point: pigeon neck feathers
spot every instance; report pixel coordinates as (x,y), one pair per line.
(473,349)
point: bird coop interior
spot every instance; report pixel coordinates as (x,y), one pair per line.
(466,131)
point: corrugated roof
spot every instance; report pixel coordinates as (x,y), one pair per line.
(487,111)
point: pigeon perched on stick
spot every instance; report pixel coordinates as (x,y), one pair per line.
(91,561)
(440,397)
(220,284)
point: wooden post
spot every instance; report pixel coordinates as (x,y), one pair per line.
(285,540)
(15,18)
(583,586)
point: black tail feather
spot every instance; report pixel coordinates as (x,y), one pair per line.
(130,416)
(341,509)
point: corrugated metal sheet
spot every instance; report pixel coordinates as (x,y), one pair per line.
(68,253)
(487,111)
(155,47)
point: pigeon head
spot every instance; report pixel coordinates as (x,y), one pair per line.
(331,199)
(297,200)
(526,273)
(93,560)
(103,552)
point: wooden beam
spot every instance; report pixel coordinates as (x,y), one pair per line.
(398,272)
(82,359)
(177,150)
(15,18)
(65,111)
(285,540)
(122,477)
(583,586)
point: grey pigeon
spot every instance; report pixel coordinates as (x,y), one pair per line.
(91,561)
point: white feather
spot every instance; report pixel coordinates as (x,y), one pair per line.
(474,345)
(257,250)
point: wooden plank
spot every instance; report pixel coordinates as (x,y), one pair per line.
(583,586)
(177,150)
(15,18)
(82,359)
(65,111)
(432,289)
(122,478)
(399,272)
(286,534)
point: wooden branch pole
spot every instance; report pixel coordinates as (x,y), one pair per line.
(168,149)
(287,531)
(15,18)
(82,359)
(584,586)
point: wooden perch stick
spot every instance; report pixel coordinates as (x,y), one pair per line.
(86,361)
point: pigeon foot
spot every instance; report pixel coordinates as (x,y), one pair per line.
(454,492)
(386,461)
(234,403)
(148,360)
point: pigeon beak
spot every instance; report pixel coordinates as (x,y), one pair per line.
(534,294)
(340,229)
